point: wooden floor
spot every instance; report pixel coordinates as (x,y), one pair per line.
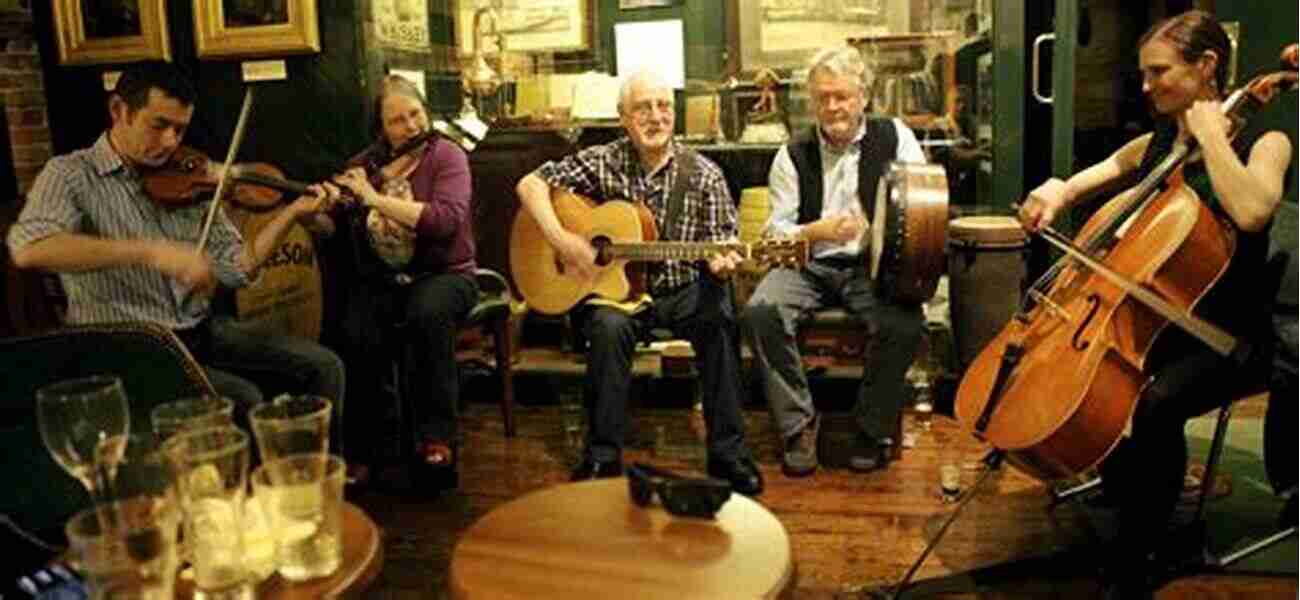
(849,532)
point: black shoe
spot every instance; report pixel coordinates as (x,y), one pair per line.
(743,474)
(596,469)
(870,454)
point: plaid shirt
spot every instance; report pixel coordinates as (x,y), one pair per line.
(613,171)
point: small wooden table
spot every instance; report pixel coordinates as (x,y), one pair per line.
(363,557)
(589,540)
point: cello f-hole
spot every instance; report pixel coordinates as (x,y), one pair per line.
(1076,342)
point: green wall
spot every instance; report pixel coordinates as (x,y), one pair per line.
(1265,28)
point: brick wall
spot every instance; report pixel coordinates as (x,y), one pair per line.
(22,93)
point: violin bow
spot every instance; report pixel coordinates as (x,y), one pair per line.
(225,168)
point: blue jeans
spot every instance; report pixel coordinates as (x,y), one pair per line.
(239,353)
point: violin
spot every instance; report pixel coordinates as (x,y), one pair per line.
(190,176)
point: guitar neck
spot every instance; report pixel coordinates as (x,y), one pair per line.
(665,251)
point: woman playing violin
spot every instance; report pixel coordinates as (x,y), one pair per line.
(415,249)
(1184,65)
(121,256)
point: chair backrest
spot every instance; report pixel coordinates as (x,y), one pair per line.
(154,367)
(1284,239)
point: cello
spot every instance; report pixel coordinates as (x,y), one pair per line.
(1055,389)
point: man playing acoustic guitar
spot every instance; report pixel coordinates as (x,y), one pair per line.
(694,301)
(818,185)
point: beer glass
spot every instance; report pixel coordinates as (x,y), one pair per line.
(191,413)
(211,467)
(291,425)
(301,496)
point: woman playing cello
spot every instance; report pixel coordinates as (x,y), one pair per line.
(1184,64)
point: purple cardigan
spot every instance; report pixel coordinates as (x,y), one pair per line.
(445,232)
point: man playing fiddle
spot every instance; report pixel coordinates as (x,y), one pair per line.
(122,256)
(692,300)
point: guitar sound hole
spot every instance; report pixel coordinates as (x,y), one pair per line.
(601,244)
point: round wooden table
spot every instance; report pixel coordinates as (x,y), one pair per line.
(363,557)
(590,540)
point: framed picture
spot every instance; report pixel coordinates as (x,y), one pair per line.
(785,33)
(111,31)
(401,24)
(631,4)
(240,28)
(525,25)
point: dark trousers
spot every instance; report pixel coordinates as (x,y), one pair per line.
(787,298)
(433,308)
(237,358)
(700,312)
(1144,474)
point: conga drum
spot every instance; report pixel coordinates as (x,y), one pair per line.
(986,275)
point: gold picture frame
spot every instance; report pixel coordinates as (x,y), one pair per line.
(527,26)
(111,32)
(786,33)
(255,28)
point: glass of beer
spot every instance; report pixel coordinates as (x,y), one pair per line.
(191,413)
(135,556)
(127,548)
(291,425)
(211,466)
(301,496)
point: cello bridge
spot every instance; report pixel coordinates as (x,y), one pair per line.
(1050,305)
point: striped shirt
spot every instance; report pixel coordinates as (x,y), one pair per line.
(613,171)
(93,192)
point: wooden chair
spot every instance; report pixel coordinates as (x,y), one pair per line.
(493,313)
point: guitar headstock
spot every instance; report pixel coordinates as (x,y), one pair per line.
(791,253)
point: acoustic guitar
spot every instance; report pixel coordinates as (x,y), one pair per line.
(622,233)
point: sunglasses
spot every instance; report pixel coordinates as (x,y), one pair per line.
(681,496)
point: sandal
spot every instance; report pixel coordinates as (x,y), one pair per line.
(433,468)
(436,453)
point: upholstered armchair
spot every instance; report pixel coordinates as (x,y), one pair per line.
(154,367)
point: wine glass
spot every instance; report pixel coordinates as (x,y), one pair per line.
(84,424)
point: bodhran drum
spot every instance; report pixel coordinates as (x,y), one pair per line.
(986,275)
(908,231)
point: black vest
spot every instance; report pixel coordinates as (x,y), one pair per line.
(878,146)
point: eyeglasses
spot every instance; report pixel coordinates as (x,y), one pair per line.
(681,496)
(645,109)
